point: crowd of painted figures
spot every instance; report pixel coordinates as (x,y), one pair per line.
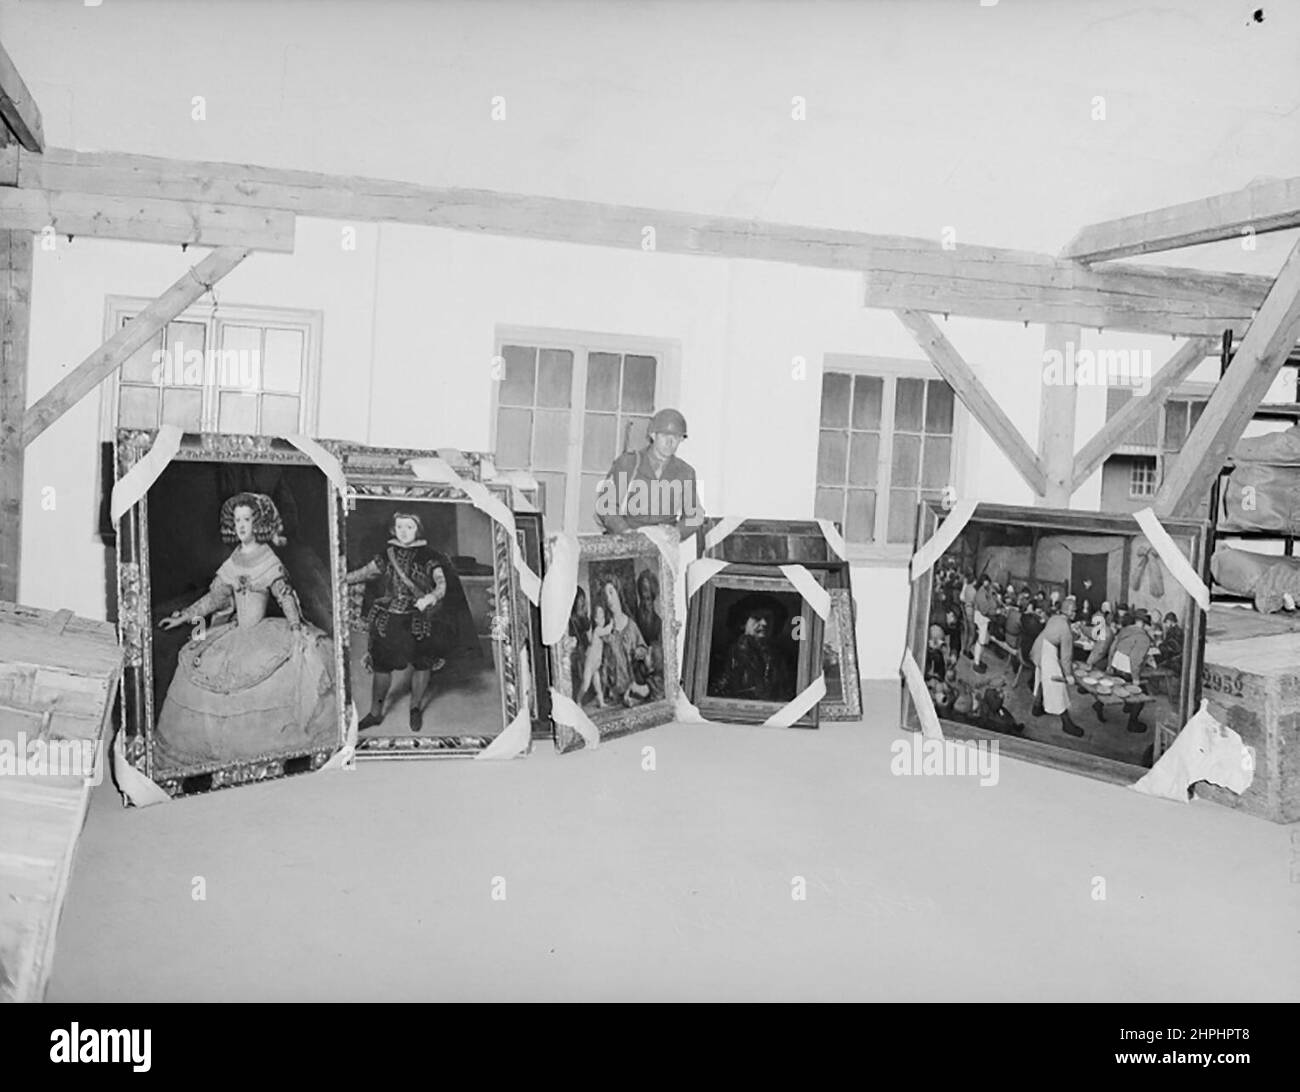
(974,617)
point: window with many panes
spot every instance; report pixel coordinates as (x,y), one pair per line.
(247,370)
(886,442)
(1142,478)
(567,407)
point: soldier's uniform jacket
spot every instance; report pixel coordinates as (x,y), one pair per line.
(630,496)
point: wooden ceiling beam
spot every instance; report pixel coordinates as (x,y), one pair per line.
(902,273)
(17,107)
(1147,300)
(1238,394)
(490,212)
(975,397)
(146,220)
(137,333)
(1270,206)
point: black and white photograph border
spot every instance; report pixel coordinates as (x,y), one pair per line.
(822,262)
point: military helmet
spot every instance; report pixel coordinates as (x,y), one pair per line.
(668,420)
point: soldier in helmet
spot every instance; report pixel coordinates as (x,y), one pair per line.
(651,486)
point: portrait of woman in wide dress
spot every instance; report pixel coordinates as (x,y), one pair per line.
(248,683)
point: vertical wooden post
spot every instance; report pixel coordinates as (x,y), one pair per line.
(15,301)
(1056,418)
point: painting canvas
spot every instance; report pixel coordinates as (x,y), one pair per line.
(753,644)
(616,658)
(1072,643)
(433,618)
(231,614)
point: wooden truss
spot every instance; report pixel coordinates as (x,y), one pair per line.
(238,209)
(202,203)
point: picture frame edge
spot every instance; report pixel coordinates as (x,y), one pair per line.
(1097,767)
(603,547)
(130,446)
(372,480)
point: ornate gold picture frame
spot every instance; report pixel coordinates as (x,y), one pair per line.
(231,613)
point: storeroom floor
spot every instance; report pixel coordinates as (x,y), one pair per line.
(676,883)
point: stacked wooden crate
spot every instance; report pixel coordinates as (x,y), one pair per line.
(1251,680)
(58,681)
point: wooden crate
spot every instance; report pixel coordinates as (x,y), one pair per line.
(1252,685)
(58,681)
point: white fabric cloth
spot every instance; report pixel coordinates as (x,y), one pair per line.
(134,786)
(135,483)
(799,705)
(924,558)
(1173,558)
(559,587)
(1049,679)
(1205,750)
(806,585)
(982,626)
(516,739)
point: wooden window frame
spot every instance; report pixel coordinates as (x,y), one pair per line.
(1186,393)
(202,313)
(582,343)
(891,369)
(1145,463)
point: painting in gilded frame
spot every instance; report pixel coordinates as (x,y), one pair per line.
(231,613)
(1126,640)
(432,612)
(753,643)
(617,657)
